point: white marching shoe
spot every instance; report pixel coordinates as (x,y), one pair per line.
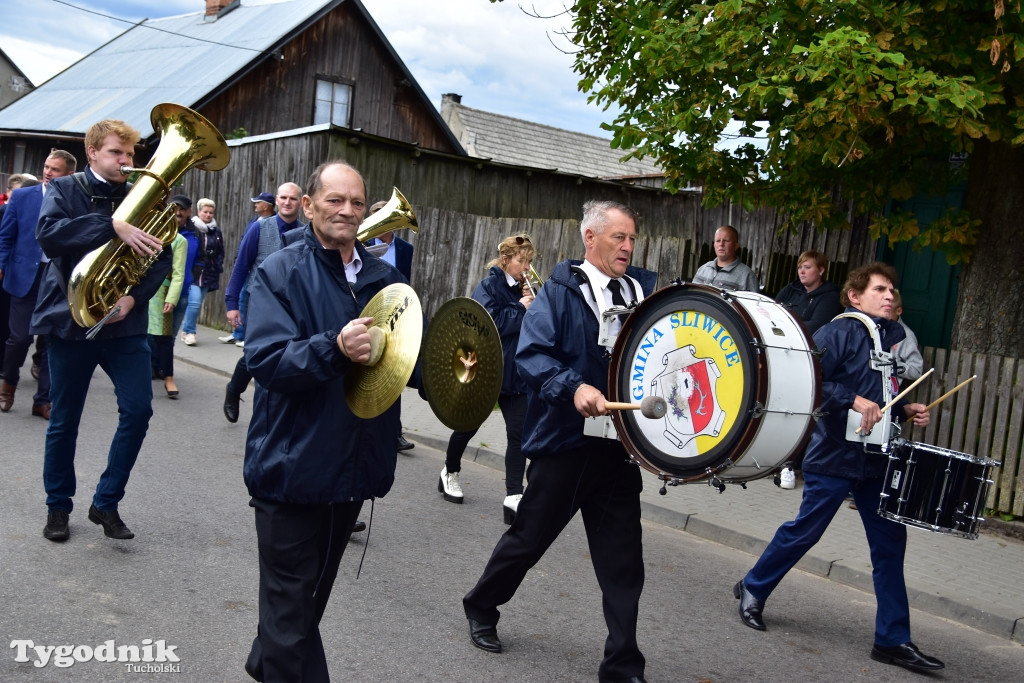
(449,486)
(511,506)
(229,339)
(787,478)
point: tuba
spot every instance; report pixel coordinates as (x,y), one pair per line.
(396,214)
(109,272)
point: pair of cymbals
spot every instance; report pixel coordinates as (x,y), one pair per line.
(462,364)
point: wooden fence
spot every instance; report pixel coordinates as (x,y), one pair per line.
(984,419)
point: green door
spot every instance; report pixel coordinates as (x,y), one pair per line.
(927,283)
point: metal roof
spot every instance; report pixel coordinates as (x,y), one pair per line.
(182,59)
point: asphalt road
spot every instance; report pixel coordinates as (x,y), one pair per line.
(189,578)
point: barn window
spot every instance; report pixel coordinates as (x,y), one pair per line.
(333,103)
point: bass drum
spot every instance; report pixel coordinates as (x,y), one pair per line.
(738,372)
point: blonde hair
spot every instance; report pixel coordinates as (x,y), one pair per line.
(98,131)
(204,202)
(512,246)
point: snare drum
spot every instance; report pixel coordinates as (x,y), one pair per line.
(935,488)
(738,373)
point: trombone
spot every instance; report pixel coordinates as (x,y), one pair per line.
(533,281)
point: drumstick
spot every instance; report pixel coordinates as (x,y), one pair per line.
(900,395)
(652,407)
(949,393)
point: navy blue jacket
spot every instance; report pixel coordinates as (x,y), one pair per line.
(71,224)
(304,444)
(19,252)
(557,352)
(814,309)
(502,302)
(846,373)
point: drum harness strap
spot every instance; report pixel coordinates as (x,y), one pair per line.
(881,361)
(583,279)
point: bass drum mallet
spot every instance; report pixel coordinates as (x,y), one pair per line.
(652,407)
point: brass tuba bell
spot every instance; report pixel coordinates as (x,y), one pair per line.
(109,272)
(396,214)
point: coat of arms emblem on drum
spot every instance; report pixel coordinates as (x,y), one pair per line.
(689,386)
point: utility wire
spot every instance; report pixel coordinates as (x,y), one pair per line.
(153,28)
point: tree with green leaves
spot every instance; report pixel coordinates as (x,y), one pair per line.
(820,108)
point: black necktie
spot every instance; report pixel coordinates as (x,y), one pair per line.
(616,289)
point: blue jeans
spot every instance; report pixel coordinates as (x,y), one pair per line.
(125,360)
(196,294)
(243,309)
(887,541)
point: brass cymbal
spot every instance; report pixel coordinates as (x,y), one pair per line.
(398,320)
(462,364)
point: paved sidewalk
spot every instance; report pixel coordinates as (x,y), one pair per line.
(979,583)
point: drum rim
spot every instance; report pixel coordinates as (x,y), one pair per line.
(758,393)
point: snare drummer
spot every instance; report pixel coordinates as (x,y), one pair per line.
(834,466)
(565,372)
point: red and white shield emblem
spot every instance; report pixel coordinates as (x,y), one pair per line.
(689,386)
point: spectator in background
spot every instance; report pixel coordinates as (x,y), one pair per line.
(811,297)
(259,241)
(208,267)
(909,361)
(263,205)
(726,271)
(14,182)
(167,307)
(22,266)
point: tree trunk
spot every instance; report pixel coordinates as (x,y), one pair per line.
(990,307)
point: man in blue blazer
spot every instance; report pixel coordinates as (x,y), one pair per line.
(22,264)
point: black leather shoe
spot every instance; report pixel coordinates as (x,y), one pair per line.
(628,679)
(360,525)
(113,527)
(404,444)
(56,528)
(484,636)
(906,655)
(231,400)
(750,607)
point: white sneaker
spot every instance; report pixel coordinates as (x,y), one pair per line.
(230,339)
(511,506)
(787,478)
(189,339)
(449,485)
(240,344)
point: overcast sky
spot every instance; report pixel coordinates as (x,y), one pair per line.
(494,55)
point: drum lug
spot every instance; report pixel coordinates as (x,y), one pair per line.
(758,410)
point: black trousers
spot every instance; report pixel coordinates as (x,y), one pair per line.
(300,547)
(513,410)
(605,488)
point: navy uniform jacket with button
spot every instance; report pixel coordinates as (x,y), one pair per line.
(304,444)
(558,351)
(845,346)
(71,224)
